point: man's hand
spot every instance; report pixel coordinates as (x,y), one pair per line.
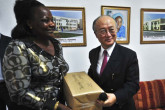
(109,102)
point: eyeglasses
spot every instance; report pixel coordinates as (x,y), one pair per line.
(105,31)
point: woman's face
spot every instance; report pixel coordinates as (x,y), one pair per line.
(42,24)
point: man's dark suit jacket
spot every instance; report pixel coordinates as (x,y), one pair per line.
(4,41)
(120,76)
(4,95)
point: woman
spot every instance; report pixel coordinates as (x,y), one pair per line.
(33,62)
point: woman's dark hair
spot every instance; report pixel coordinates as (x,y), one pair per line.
(24,10)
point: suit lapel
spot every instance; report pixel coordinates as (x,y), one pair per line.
(96,57)
(111,67)
(113,63)
(95,61)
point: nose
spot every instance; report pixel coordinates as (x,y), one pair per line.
(52,23)
(108,34)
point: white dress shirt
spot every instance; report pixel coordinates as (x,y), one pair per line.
(101,56)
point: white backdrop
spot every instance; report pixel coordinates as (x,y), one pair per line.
(151,56)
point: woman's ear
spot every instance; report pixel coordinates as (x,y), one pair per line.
(29,24)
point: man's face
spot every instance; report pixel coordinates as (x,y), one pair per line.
(105,31)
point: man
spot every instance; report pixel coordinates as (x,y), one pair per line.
(4,96)
(120,77)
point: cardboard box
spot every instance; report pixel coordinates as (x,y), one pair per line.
(81,91)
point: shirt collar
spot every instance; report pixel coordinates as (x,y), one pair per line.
(109,50)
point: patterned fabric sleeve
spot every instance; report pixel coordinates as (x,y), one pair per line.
(17,74)
(65,66)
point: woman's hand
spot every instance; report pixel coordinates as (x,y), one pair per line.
(62,107)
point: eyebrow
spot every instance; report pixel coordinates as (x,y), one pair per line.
(108,27)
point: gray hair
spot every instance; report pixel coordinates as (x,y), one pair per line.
(94,22)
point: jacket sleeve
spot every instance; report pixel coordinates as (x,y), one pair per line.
(90,70)
(131,85)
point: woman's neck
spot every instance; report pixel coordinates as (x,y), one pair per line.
(46,46)
(44,42)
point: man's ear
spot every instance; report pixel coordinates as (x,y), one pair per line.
(96,34)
